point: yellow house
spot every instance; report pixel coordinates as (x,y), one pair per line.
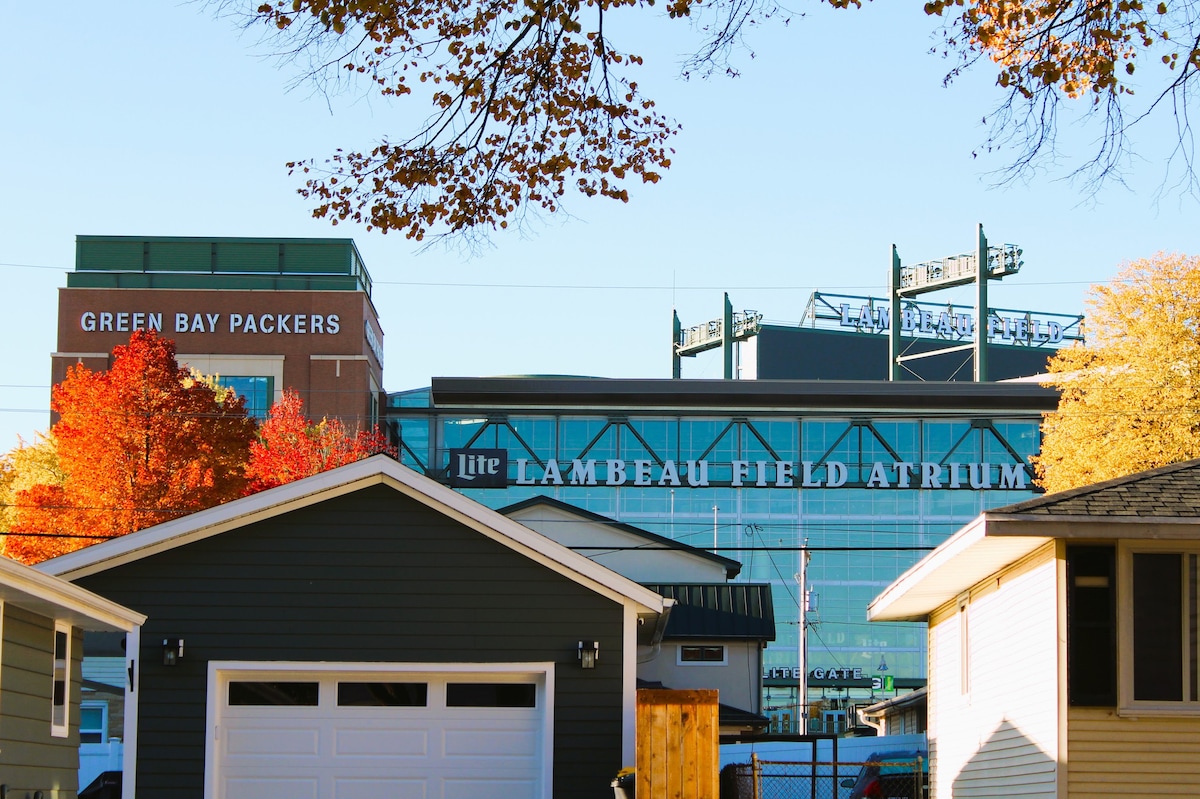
(1064,643)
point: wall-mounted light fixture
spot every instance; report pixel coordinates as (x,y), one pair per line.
(172,649)
(589,653)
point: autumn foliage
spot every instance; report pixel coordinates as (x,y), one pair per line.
(1130,397)
(529,100)
(139,444)
(532,99)
(290,447)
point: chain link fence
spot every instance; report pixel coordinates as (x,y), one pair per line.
(770,779)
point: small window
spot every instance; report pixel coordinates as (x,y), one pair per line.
(93,722)
(60,696)
(491,694)
(273,693)
(383,694)
(708,655)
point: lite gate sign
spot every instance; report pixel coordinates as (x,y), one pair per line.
(488,468)
(829,678)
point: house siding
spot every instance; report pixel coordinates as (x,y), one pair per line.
(1148,757)
(1000,736)
(372,576)
(730,678)
(31,759)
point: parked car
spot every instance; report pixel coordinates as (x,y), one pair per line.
(891,775)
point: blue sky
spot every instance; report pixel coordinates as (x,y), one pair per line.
(838,140)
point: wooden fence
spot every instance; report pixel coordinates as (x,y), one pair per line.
(677,744)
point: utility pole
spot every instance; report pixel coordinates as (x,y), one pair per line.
(802,649)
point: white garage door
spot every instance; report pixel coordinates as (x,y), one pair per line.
(357,735)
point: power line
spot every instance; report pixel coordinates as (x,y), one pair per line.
(631,287)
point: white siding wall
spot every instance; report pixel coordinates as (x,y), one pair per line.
(999,738)
(107,670)
(736,680)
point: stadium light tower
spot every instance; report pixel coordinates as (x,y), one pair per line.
(986,263)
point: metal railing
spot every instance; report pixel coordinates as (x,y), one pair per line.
(773,779)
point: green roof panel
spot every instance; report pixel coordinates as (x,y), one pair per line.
(107,256)
(162,262)
(179,256)
(246,256)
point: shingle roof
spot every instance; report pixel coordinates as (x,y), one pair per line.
(1166,492)
(719,610)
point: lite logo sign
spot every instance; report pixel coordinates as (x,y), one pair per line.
(478,468)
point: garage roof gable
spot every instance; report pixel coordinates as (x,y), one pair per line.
(376,470)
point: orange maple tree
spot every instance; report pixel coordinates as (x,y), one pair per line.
(139,444)
(290,446)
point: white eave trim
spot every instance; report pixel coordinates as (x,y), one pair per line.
(379,469)
(1093,526)
(968,557)
(28,587)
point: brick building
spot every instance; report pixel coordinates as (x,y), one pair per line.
(263,315)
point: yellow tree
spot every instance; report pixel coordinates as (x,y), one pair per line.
(1130,395)
(26,466)
(533,98)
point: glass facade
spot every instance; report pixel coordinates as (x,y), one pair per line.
(866,495)
(259,393)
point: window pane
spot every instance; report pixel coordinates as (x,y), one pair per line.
(91,718)
(480,694)
(701,654)
(257,391)
(382,694)
(1091,625)
(273,693)
(58,710)
(1157,627)
(1193,632)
